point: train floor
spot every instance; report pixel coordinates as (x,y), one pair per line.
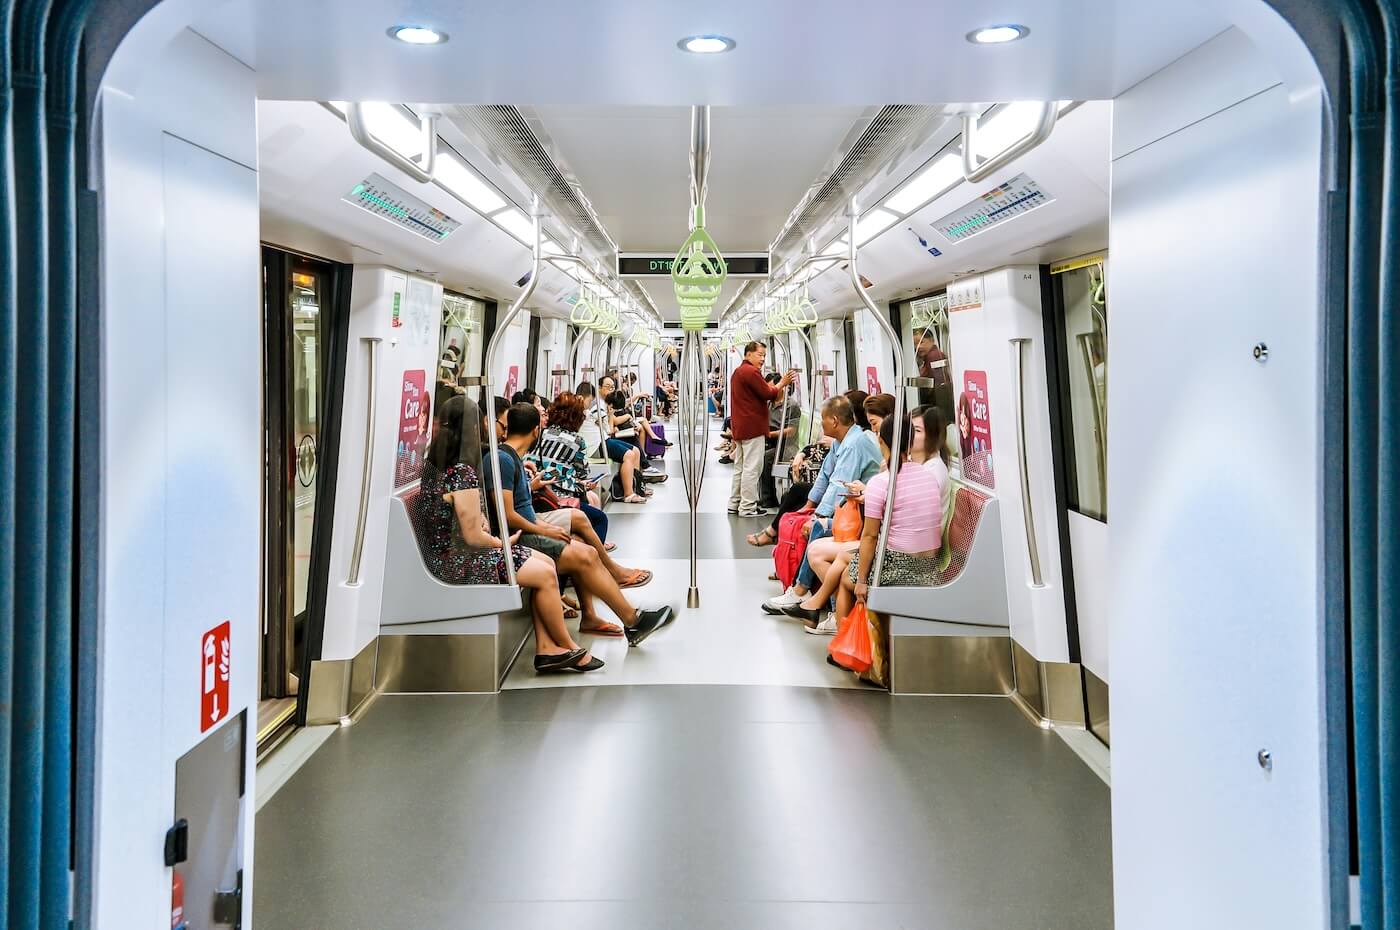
(720,776)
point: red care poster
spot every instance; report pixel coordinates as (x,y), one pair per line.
(975,429)
(415,421)
(512,381)
(872,381)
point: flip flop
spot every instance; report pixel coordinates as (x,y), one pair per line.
(571,613)
(556,662)
(607,629)
(639,577)
(609,547)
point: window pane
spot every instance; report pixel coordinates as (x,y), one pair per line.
(1086,338)
(932,355)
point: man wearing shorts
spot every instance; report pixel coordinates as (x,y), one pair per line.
(553,535)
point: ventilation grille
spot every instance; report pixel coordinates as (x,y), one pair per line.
(870,147)
(519,144)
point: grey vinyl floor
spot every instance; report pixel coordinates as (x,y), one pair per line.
(720,776)
(694,806)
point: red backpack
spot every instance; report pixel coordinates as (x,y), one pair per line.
(792,545)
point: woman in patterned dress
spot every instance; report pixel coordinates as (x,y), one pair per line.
(459,548)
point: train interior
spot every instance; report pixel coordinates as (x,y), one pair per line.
(1104,705)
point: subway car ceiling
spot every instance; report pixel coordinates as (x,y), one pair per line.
(630,161)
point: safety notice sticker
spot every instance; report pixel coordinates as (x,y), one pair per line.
(214,658)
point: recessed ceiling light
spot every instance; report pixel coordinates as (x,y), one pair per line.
(706,44)
(997,35)
(417,35)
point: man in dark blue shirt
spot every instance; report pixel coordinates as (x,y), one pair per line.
(516,426)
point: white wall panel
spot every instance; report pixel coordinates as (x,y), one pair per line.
(182,448)
(1088,539)
(1213,472)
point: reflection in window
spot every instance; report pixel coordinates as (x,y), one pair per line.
(461,349)
(929,322)
(1085,300)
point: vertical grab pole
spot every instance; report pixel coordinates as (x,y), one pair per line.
(488,401)
(852,214)
(693,440)
(813,419)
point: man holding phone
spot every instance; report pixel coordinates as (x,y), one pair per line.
(749,397)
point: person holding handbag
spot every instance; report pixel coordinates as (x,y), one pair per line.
(853,457)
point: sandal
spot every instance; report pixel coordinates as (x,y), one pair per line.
(569,602)
(639,577)
(604,629)
(764,538)
(609,547)
(634,499)
(571,613)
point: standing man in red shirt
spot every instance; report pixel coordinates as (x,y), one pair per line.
(749,397)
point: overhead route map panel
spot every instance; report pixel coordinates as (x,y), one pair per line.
(1017,196)
(384,198)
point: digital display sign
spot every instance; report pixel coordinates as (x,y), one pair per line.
(646,265)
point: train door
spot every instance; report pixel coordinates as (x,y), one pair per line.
(1077,328)
(300,297)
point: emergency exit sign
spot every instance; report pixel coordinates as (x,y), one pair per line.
(649,264)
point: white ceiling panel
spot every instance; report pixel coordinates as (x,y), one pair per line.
(634,164)
(790,52)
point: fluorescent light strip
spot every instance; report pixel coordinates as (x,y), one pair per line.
(941,175)
(454,175)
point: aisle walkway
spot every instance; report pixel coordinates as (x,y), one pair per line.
(728,640)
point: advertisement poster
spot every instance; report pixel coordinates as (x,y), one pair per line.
(415,422)
(975,429)
(872,380)
(512,381)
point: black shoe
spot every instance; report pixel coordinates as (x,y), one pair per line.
(559,662)
(648,622)
(798,612)
(725,460)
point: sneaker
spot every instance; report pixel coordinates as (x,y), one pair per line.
(754,513)
(725,460)
(775,605)
(826,628)
(648,622)
(733,511)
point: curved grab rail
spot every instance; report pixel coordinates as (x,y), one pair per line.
(488,398)
(853,214)
(814,418)
(362,515)
(359,129)
(973,172)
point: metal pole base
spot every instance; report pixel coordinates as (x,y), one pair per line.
(692,598)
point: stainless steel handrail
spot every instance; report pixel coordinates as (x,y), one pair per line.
(1028,512)
(1100,426)
(359,129)
(693,442)
(897,435)
(367,471)
(813,417)
(489,398)
(780,340)
(974,172)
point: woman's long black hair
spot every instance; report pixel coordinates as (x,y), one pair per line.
(458,436)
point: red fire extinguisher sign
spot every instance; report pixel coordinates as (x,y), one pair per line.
(214,656)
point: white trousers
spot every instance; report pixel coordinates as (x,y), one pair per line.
(748,464)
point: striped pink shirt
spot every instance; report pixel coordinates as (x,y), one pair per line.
(917,522)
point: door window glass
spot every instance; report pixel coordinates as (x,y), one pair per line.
(306,400)
(460,345)
(1084,297)
(928,318)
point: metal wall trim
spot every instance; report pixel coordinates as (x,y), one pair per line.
(1051,693)
(447,664)
(948,665)
(339,690)
(1096,699)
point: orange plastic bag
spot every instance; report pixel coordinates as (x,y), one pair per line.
(846,525)
(850,647)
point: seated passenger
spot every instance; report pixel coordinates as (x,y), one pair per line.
(458,547)
(877,407)
(930,449)
(916,528)
(531,396)
(516,427)
(803,472)
(853,457)
(784,415)
(624,426)
(589,430)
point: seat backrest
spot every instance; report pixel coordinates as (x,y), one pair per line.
(958,537)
